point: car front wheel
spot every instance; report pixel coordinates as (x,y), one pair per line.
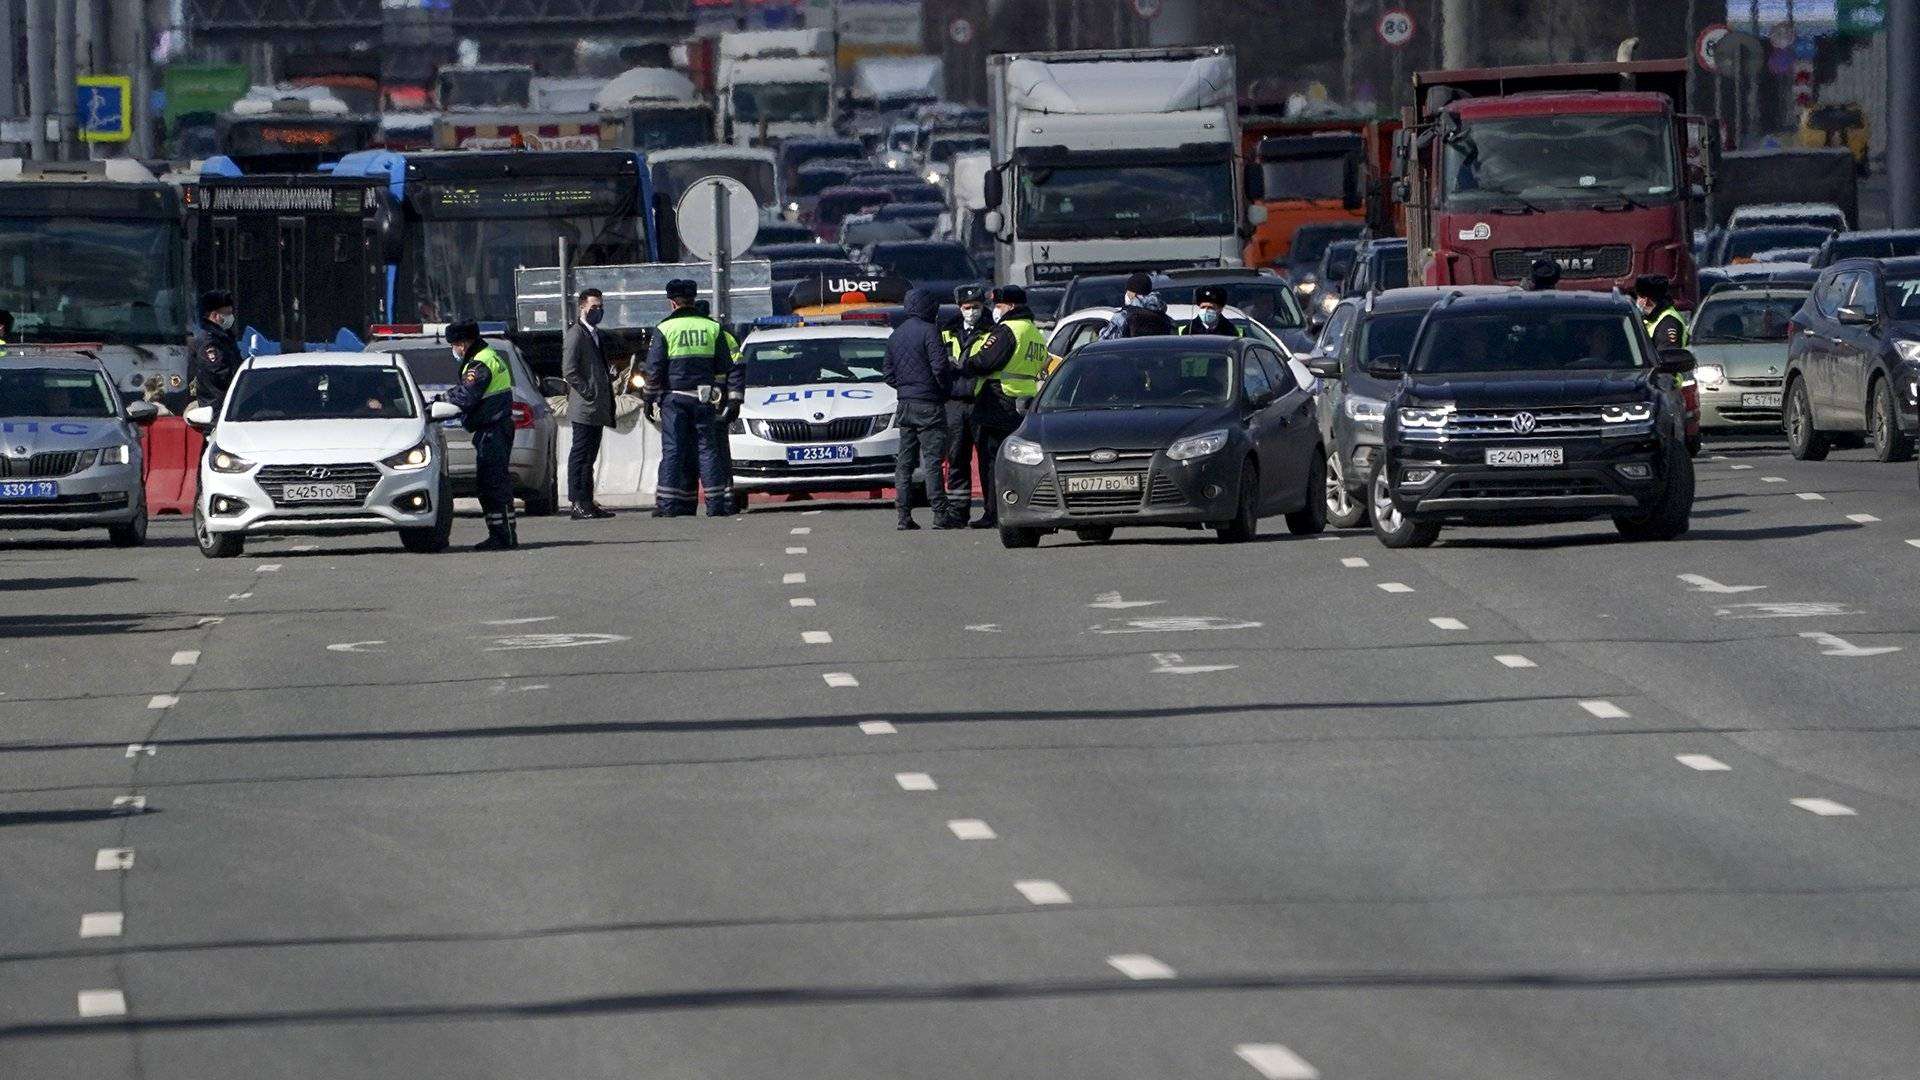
(1669,518)
(1245,523)
(433,538)
(1883,426)
(1019,538)
(215,545)
(1344,511)
(1804,441)
(1311,518)
(1393,528)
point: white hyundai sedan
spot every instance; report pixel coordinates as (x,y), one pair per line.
(818,416)
(323,442)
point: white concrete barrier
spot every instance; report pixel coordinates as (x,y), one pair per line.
(629,461)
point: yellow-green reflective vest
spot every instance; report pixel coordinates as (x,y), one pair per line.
(690,335)
(1021,377)
(499,378)
(1654,321)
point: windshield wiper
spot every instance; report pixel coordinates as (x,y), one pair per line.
(1526,207)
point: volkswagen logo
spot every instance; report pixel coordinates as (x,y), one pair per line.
(318,472)
(1524,423)
(19,449)
(819,416)
(1103,457)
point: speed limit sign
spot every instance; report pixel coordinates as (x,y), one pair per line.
(1395,27)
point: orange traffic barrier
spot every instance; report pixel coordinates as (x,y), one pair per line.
(171,450)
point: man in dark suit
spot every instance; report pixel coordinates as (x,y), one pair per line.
(589,403)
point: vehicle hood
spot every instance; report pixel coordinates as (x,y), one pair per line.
(1745,358)
(24,436)
(319,440)
(819,402)
(1074,431)
(1528,390)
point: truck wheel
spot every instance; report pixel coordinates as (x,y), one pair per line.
(216,545)
(1804,441)
(1393,528)
(1883,426)
(1669,518)
(1344,511)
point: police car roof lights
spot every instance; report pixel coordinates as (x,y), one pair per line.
(435,330)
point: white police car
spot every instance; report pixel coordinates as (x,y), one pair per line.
(817,415)
(69,452)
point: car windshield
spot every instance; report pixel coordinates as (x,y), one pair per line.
(1745,243)
(1267,301)
(316,392)
(55,392)
(802,361)
(1390,268)
(1904,293)
(1322,176)
(782,232)
(779,103)
(1060,202)
(925,263)
(1570,156)
(1745,318)
(1878,247)
(941,151)
(1106,380)
(433,365)
(1338,261)
(813,181)
(669,129)
(1388,334)
(1310,241)
(1528,341)
(1044,301)
(93,279)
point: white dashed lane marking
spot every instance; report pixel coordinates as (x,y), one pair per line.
(1702,763)
(186,658)
(306,547)
(269,568)
(1395,587)
(1140,966)
(1862,519)
(102,924)
(1353,562)
(130,804)
(162,701)
(1739,468)
(1605,710)
(1813,496)
(795,578)
(1515,660)
(136,749)
(971,829)
(840,678)
(1445,622)
(102,1003)
(1275,1062)
(113,858)
(801,601)
(1825,807)
(796,551)
(816,637)
(801,531)
(240,596)
(915,781)
(1043,892)
(877,727)
(1773,479)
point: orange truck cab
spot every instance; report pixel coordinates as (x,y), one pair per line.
(1314,172)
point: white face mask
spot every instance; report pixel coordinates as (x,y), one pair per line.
(224,321)
(1209,316)
(970,316)
(1000,311)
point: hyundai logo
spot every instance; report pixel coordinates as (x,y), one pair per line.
(1103,457)
(1524,423)
(318,472)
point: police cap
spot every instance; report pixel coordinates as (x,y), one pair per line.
(462,331)
(1654,287)
(682,289)
(1210,294)
(1009,294)
(970,294)
(1543,274)
(214,299)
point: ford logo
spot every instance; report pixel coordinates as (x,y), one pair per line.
(318,472)
(1524,423)
(1103,457)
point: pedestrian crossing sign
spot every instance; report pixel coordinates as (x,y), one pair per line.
(103,108)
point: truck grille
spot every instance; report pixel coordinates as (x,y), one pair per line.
(842,429)
(1607,261)
(44,464)
(1560,422)
(273,479)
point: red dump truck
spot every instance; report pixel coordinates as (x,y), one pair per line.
(1584,164)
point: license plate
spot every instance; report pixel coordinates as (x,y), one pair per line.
(317,493)
(1760,401)
(1532,457)
(804,454)
(1123,482)
(29,489)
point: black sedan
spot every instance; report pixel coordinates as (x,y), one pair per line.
(1193,431)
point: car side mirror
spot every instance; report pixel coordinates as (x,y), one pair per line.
(142,412)
(1256,215)
(1390,368)
(992,189)
(553,386)
(1325,367)
(1851,315)
(443,410)
(200,416)
(1675,361)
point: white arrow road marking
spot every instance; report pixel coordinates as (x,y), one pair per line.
(1112,602)
(1913,543)
(1275,1062)
(1835,645)
(552,641)
(352,646)
(1168,663)
(1701,583)
(1173,624)
(1806,609)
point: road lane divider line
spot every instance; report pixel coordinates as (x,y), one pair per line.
(136,749)
(800,531)
(1913,543)
(113,858)
(796,551)
(1825,807)
(1773,479)
(162,701)
(971,829)
(240,596)
(186,658)
(102,1003)
(795,578)
(269,568)
(877,727)
(1275,1062)
(815,637)
(1812,496)
(306,547)
(1863,519)
(1740,468)
(915,781)
(102,924)
(129,804)
(1139,966)
(1702,763)
(801,601)
(1041,891)
(1447,622)
(840,679)
(1395,587)
(1515,660)
(1354,562)
(1605,710)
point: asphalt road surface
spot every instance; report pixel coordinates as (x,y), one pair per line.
(795,796)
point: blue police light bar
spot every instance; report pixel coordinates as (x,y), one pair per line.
(770,321)
(493,327)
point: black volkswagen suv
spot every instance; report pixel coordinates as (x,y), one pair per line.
(1532,407)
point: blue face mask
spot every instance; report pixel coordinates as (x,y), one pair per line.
(593,315)
(1209,317)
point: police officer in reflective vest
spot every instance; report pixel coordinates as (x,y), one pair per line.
(1211,300)
(695,390)
(1009,366)
(1665,325)
(963,337)
(485,396)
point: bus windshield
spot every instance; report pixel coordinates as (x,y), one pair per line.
(92,279)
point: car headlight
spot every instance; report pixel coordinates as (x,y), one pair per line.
(738,427)
(410,459)
(1364,410)
(637,381)
(1628,413)
(114,455)
(1022,452)
(1418,417)
(222,462)
(1710,374)
(1908,350)
(932,177)
(1197,446)
(793,208)
(1307,286)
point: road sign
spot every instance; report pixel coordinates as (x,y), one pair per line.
(103,106)
(1703,46)
(698,227)
(1395,27)
(961,31)
(1147,9)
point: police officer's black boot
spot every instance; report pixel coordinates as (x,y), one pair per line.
(499,535)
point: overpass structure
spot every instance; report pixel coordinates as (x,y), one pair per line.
(327,25)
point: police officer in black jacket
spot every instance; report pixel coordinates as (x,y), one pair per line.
(214,354)
(962,337)
(485,396)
